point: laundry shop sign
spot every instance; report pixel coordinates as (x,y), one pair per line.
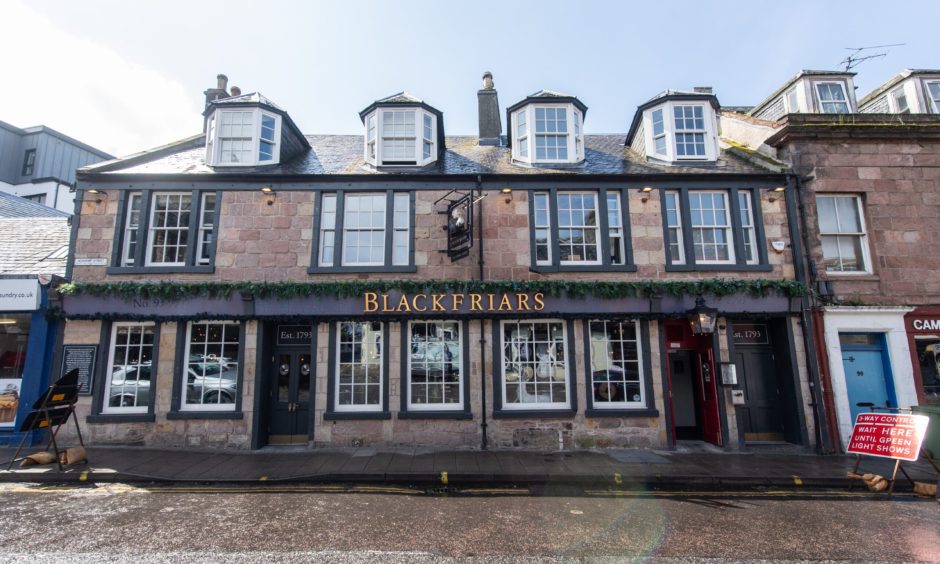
(513,302)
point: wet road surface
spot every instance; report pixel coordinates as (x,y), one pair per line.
(121,523)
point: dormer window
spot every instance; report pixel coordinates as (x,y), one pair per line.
(681,130)
(555,138)
(401,137)
(832,98)
(243,137)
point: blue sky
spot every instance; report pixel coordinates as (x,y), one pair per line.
(129,75)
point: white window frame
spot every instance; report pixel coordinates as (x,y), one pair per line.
(792,100)
(934,102)
(546,226)
(862,236)
(749,228)
(596,228)
(152,229)
(625,403)
(106,407)
(397,235)
(378,159)
(327,227)
(710,121)
(214,138)
(661,135)
(615,229)
(371,229)
(524,134)
(728,227)
(202,245)
(184,395)
(382,349)
(842,88)
(459,405)
(130,227)
(680,236)
(896,96)
(529,406)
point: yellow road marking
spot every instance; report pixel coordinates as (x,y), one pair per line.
(618,479)
(444,478)
(83,477)
(797,481)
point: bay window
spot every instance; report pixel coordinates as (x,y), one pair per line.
(681,130)
(549,133)
(364,232)
(242,137)
(401,137)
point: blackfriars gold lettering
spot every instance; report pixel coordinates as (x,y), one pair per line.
(374,302)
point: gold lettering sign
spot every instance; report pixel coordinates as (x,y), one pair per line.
(374,302)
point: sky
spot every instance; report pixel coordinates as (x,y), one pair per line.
(126,76)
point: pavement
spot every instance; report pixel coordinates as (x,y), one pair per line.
(696,468)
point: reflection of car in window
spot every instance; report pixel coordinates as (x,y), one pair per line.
(435,360)
(130,386)
(211,381)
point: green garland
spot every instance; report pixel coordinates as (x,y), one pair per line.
(170,290)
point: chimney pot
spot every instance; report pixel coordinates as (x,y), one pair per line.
(491,126)
(222,81)
(236,91)
(487,80)
(702,89)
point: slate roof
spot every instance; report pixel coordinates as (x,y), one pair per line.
(251,98)
(906,73)
(33,245)
(14,206)
(400,98)
(342,155)
(794,78)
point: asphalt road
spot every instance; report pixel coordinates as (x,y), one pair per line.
(121,523)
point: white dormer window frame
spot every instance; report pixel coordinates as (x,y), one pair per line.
(899,100)
(792,100)
(393,128)
(821,103)
(675,123)
(243,137)
(541,137)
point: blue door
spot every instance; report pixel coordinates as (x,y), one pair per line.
(867,374)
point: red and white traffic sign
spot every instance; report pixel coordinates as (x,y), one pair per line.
(888,435)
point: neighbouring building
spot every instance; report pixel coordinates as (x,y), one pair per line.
(39,163)
(34,242)
(531,286)
(869,187)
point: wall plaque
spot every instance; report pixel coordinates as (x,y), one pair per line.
(294,335)
(81,357)
(751,334)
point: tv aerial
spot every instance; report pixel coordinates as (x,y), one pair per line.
(859,55)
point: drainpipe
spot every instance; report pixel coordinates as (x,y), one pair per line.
(483,441)
(819,384)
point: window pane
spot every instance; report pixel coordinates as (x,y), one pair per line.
(435,365)
(534,369)
(130,366)
(364,229)
(212,366)
(711,227)
(615,364)
(169,228)
(359,370)
(577,227)
(847,210)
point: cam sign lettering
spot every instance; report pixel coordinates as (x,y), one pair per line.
(19,295)
(926,324)
(888,435)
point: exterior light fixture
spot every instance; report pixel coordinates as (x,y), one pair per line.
(507,192)
(99,194)
(774,194)
(702,318)
(269,192)
(645,193)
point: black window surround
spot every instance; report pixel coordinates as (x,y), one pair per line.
(337,266)
(499,412)
(737,232)
(29,162)
(405,381)
(143,235)
(331,414)
(644,344)
(603,227)
(180,369)
(102,382)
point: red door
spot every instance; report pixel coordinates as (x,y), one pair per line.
(711,417)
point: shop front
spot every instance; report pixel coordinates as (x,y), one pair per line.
(26,345)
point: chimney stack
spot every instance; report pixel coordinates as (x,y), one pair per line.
(702,90)
(491,126)
(213,94)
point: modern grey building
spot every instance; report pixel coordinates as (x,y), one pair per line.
(38,163)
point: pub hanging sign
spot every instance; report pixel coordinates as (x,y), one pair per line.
(509,302)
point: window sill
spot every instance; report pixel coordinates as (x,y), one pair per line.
(642,412)
(355,269)
(201,269)
(354,415)
(121,418)
(719,268)
(181,415)
(434,415)
(534,413)
(845,276)
(548,269)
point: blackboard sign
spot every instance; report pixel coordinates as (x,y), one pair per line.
(750,334)
(294,335)
(81,357)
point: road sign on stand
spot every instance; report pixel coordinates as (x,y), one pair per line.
(888,435)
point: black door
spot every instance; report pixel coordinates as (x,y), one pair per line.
(763,419)
(290,397)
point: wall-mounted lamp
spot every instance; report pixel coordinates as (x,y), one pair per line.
(645,193)
(99,194)
(269,193)
(507,194)
(774,194)
(702,318)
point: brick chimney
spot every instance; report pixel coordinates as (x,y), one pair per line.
(491,126)
(219,91)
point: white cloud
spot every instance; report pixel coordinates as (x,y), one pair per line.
(87,90)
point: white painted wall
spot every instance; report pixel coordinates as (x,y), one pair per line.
(868,320)
(65,201)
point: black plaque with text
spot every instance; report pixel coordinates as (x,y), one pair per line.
(288,335)
(81,357)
